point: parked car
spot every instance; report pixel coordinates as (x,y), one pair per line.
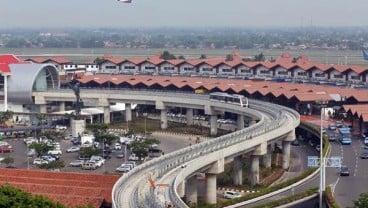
(55,152)
(39,161)
(73,149)
(124,168)
(5,149)
(231,194)
(117,146)
(344,171)
(364,155)
(332,127)
(76,163)
(89,166)
(365,141)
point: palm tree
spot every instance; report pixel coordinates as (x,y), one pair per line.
(4,116)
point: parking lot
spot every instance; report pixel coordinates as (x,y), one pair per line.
(22,161)
(168,144)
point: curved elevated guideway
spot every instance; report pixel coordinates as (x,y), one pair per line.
(134,189)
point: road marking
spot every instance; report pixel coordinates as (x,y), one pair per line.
(334,185)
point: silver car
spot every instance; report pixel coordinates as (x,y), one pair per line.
(76,163)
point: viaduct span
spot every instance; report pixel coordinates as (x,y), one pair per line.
(269,123)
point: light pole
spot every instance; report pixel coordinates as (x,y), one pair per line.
(145,124)
(322,104)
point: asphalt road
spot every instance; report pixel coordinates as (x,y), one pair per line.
(348,188)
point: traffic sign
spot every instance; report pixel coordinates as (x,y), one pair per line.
(313,161)
(333,162)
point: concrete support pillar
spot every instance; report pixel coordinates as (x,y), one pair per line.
(192,190)
(43,108)
(286,154)
(164,118)
(128,112)
(254,162)
(286,145)
(211,188)
(240,122)
(5,92)
(181,189)
(61,106)
(213,125)
(254,170)
(106,114)
(267,158)
(238,170)
(189,116)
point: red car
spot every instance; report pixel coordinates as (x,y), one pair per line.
(4,149)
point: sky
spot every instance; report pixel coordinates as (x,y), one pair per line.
(182,13)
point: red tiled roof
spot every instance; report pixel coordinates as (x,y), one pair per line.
(36,59)
(301,92)
(70,189)
(6,60)
(59,60)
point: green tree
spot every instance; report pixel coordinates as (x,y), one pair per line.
(53,165)
(87,152)
(8,160)
(40,148)
(140,148)
(229,57)
(259,57)
(362,201)
(100,133)
(13,197)
(167,55)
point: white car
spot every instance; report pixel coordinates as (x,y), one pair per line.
(55,152)
(117,146)
(39,161)
(124,168)
(73,149)
(231,194)
(76,163)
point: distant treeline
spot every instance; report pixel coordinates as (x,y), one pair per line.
(230,38)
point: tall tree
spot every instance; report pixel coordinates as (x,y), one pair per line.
(362,201)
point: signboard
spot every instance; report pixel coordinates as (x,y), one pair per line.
(313,161)
(333,162)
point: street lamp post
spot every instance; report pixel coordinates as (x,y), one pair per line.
(322,104)
(145,124)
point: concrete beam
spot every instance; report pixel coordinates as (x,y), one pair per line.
(260,149)
(217,167)
(181,189)
(43,108)
(160,105)
(61,106)
(290,137)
